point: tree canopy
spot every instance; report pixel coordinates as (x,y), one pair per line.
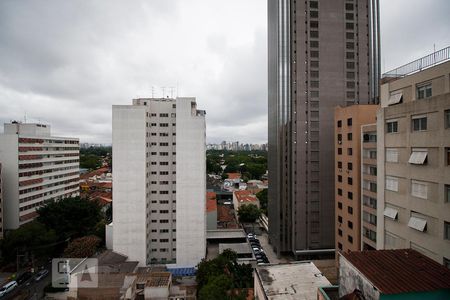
(71,217)
(248,213)
(218,277)
(262,197)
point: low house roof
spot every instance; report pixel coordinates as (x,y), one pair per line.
(400,271)
(245,196)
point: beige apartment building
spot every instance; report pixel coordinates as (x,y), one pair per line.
(413,130)
(348,137)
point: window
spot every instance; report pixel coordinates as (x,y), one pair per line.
(314,24)
(314,4)
(349,122)
(349,26)
(447,193)
(391,126)
(350,35)
(350,210)
(314,64)
(314,84)
(350,55)
(350,181)
(348,6)
(163,134)
(419,123)
(339,219)
(446,230)
(315,94)
(339,138)
(340,192)
(350,195)
(350,239)
(418,156)
(350,45)
(447,118)
(340,246)
(392,183)
(447,156)
(340,205)
(163,124)
(446,262)
(369,201)
(349,16)
(349,151)
(339,164)
(369,218)
(391,155)
(350,166)
(340,232)
(419,189)
(163,115)
(350,224)
(339,151)
(314,74)
(424,91)
(314,34)
(339,178)
(339,123)
(314,14)
(349,136)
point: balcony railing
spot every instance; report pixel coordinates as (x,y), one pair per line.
(420,64)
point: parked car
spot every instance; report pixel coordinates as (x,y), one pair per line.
(250,235)
(24,277)
(8,288)
(41,274)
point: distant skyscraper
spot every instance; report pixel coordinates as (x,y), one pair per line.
(321,54)
(159,181)
(37,168)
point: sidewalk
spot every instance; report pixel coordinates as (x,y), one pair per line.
(273,259)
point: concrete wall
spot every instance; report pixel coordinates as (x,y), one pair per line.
(10,161)
(350,279)
(211,220)
(109,236)
(129,181)
(191,183)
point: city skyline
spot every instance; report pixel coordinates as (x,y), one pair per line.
(87,70)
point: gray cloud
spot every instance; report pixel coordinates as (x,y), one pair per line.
(67,62)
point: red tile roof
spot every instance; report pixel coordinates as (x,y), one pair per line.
(400,271)
(234,175)
(211,203)
(245,196)
(97,172)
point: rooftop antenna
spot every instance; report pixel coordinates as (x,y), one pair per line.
(171,91)
(25,117)
(153,91)
(177,89)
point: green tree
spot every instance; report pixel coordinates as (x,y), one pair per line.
(248,213)
(262,197)
(71,217)
(30,239)
(90,161)
(83,247)
(218,288)
(217,278)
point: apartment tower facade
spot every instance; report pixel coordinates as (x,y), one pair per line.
(37,168)
(349,121)
(159,181)
(321,54)
(413,131)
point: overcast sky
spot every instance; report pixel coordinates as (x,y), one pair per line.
(66,62)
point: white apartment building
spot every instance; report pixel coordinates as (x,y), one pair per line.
(159,181)
(36,168)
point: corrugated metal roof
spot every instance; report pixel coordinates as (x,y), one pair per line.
(400,271)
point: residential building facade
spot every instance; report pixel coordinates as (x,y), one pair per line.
(321,54)
(348,139)
(159,181)
(413,132)
(369,187)
(37,168)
